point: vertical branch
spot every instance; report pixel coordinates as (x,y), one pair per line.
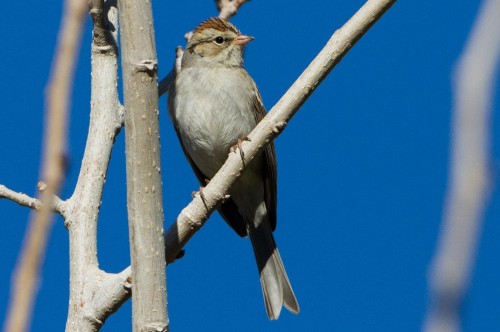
(469,181)
(58,98)
(144,191)
(81,219)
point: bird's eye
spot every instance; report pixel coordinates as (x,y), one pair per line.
(219,40)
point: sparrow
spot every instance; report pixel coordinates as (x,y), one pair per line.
(214,104)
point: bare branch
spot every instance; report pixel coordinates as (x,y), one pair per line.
(30,202)
(20,198)
(470,179)
(144,185)
(107,289)
(28,269)
(106,120)
(228,8)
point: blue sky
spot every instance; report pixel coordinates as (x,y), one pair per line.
(362,170)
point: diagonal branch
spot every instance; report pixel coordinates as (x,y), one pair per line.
(197,212)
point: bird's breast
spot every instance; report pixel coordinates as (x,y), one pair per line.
(212,110)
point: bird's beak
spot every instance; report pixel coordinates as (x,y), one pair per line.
(242,40)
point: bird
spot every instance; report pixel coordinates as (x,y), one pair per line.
(214,104)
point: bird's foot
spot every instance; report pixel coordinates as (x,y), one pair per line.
(202,196)
(238,147)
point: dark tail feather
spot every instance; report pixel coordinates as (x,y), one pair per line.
(274,281)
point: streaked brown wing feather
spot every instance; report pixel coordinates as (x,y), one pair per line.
(270,166)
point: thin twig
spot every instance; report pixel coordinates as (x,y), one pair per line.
(27,271)
(228,8)
(469,179)
(30,202)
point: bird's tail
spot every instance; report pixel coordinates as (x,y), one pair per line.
(274,281)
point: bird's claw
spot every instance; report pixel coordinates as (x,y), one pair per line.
(202,196)
(238,147)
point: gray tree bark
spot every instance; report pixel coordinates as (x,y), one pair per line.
(144,187)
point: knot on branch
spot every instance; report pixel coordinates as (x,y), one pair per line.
(102,42)
(127,283)
(41,185)
(155,327)
(279,127)
(93,320)
(102,47)
(147,66)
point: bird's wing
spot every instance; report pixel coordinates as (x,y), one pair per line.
(270,173)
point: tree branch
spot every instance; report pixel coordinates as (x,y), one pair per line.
(106,120)
(144,185)
(58,98)
(30,202)
(228,8)
(470,179)
(196,213)
(110,288)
